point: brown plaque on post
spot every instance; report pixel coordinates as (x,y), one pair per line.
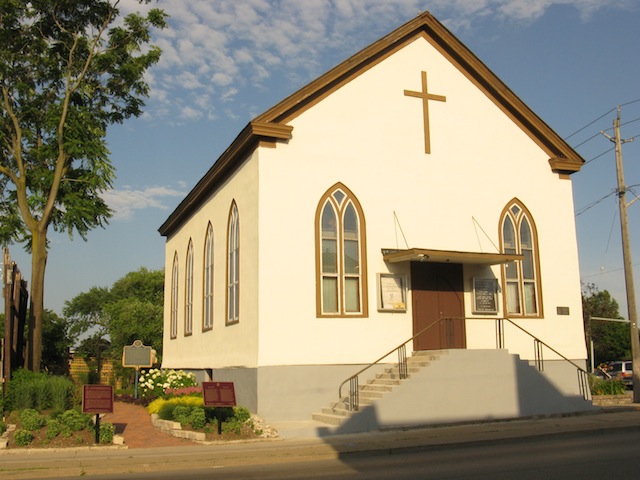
(219,394)
(97,399)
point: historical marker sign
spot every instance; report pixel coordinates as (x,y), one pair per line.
(137,355)
(219,394)
(97,399)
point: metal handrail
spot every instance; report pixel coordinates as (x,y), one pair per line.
(353,403)
(353,399)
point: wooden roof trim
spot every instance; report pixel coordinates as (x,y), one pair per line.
(244,143)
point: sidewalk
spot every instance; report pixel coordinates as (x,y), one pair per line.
(101,460)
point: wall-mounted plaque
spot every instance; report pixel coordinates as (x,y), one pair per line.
(485,295)
(392,292)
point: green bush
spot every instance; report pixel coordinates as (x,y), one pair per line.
(75,420)
(197,419)
(107,431)
(22,437)
(38,391)
(3,427)
(182,413)
(165,411)
(31,420)
(54,428)
(601,386)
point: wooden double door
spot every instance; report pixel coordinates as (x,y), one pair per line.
(438,293)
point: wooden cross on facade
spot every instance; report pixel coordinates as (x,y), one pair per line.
(425,96)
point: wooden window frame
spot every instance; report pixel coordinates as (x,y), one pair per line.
(233,260)
(517,221)
(340,207)
(174,297)
(207,280)
(188,291)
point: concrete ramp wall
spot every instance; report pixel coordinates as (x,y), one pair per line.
(472,385)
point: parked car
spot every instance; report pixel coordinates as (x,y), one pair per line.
(621,370)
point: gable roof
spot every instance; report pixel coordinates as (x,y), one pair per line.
(271,126)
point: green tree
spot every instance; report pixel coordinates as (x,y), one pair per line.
(132,309)
(68,70)
(611,340)
(56,343)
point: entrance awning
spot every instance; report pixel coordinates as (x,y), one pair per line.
(446,256)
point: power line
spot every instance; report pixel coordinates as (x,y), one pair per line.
(589,124)
(593,204)
(600,118)
(598,156)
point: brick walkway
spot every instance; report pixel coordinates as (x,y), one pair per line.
(133,422)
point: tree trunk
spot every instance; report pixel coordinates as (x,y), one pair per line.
(36,310)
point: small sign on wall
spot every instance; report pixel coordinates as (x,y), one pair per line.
(485,295)
(392,292)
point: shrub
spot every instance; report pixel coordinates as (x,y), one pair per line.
(107,431)
(22,437)
(601,386)
(182,413)
(75,420)
(154,382)
(197,419)
(3,427)
(54,428)
(159,404)
(38,391)
(31,420)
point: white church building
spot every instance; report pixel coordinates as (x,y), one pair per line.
(406,197)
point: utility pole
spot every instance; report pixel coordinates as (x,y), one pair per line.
(626,256)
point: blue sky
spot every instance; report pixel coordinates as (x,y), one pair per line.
(224,62)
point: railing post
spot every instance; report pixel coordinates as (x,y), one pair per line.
(402,362)
(500,333)
(537,347)
(354,399)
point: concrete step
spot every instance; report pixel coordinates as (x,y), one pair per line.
(373,387)
(384,381)
(329,419)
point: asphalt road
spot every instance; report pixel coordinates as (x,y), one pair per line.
(613,454)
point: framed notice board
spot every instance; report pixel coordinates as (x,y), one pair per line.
(485,295)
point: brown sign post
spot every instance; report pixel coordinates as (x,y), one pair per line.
(97,399)
(219,394)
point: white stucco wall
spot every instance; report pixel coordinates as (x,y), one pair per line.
(370,136)
(224,345)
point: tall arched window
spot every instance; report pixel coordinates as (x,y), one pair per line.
(341,280)
(521,278)
(174,297)
(233,266)
(207,307)
(188,292)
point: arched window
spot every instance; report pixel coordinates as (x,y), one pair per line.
(174,297)
(341,280)
(521,278)
(188,292)
(207,318)
(233,266)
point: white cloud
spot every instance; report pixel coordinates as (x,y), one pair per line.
(125,202)
(242,44)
